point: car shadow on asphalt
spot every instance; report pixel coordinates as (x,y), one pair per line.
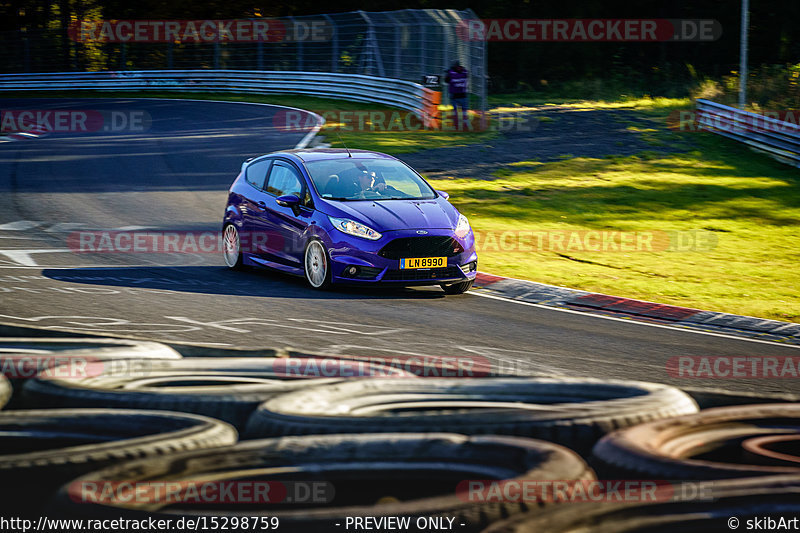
(220,280)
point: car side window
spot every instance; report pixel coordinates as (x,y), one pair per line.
(283,180)
(256,173)
(307,200)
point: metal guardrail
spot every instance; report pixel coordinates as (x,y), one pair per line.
(778,138)
(354,87)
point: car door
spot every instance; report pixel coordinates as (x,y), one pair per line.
(285,226)
(254,205)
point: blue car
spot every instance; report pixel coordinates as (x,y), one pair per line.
(338,216)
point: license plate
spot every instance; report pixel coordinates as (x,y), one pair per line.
(423,262)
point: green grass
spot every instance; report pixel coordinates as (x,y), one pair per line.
(539,99)
(744,209)
(379,138)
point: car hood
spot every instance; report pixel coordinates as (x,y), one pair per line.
(388,215)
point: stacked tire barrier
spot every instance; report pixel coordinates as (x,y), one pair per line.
(42,449)
(422,469)
(226,388)
(24,358)
(583,410)
(102,428)
(680,448)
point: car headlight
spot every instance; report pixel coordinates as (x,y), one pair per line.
(351,227)
(462,228)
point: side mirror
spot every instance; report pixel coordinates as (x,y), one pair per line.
(443,194)
(290,200)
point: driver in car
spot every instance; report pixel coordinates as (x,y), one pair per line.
(359,183)
(365,182)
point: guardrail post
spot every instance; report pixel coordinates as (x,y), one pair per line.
(398,47)
(298,43)
(446,58)
(432,116)
(423,57)
(299,54)
(27,54)
(334,44)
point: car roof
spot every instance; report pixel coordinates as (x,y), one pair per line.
(318,154)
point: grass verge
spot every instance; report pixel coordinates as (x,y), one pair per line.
(723,223)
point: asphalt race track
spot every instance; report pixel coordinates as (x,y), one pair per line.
(174,177)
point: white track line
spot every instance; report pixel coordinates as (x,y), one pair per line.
(303,143)
(23,256)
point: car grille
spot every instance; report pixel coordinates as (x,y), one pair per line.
(422,274)
(432,246)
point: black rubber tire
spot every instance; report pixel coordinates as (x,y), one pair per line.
(679,448)
(5,391)
(457,288)
(361,469)
(42,449)
(226,388)
(584,410)
(742,499)
(21,358)
(326,284)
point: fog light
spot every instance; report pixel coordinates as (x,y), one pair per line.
(351,271)
(469,267)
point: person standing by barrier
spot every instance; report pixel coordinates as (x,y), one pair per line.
(457,80)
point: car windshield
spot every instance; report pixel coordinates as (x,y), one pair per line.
(367,179)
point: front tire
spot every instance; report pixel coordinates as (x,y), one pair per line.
(458,288)
(317,265)
(232,248)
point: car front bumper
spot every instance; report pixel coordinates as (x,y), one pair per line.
(357,261)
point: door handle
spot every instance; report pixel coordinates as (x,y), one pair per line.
(261,204)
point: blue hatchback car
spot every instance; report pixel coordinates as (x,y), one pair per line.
(346,217)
